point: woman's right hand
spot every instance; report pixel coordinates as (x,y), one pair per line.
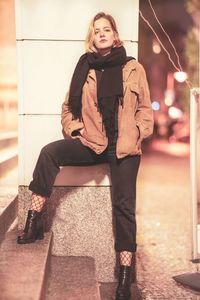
(81,131)
(77,133)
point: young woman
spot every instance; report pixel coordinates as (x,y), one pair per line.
(106,114)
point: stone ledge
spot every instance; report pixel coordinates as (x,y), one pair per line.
(82,224)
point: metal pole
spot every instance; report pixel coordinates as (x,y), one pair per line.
(193,168)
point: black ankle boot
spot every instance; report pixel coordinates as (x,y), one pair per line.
(124,286)
(34,228)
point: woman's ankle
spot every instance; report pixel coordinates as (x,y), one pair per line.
(37,202)
(125,258)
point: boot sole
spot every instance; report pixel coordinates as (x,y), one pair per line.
(29,241)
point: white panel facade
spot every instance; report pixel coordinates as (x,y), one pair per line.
(68,20)
(35,132)
(45,79)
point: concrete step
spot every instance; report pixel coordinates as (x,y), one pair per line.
(8,159)
(8,212)
(23,268)
(72,278)
(8,153)
(9,180)
(8,138)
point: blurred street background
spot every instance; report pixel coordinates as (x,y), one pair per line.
(164,222)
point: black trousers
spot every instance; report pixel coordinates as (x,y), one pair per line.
(71,152)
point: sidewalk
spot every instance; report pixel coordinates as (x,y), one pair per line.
(164,222)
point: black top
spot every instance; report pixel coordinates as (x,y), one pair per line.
(112,143)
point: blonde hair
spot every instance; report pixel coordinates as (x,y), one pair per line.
(89,41)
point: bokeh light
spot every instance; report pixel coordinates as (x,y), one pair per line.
(169,97)
(175,112)
(180,76)
(155,105)
(156,47)
(168,101)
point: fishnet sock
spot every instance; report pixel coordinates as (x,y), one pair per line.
(125,258)
(37,202)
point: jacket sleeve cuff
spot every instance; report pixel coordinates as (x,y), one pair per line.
(74,126)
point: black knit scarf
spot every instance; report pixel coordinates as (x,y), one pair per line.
(110,91)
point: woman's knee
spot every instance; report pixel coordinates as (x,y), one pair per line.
(48,149)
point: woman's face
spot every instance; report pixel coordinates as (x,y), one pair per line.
(103,36)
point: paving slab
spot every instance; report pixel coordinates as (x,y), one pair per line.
(72,278)
(107,291)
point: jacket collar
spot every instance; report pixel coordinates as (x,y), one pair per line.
(128,68)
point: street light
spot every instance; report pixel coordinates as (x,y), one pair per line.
(180,76)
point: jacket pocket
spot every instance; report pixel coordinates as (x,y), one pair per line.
(134,96)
